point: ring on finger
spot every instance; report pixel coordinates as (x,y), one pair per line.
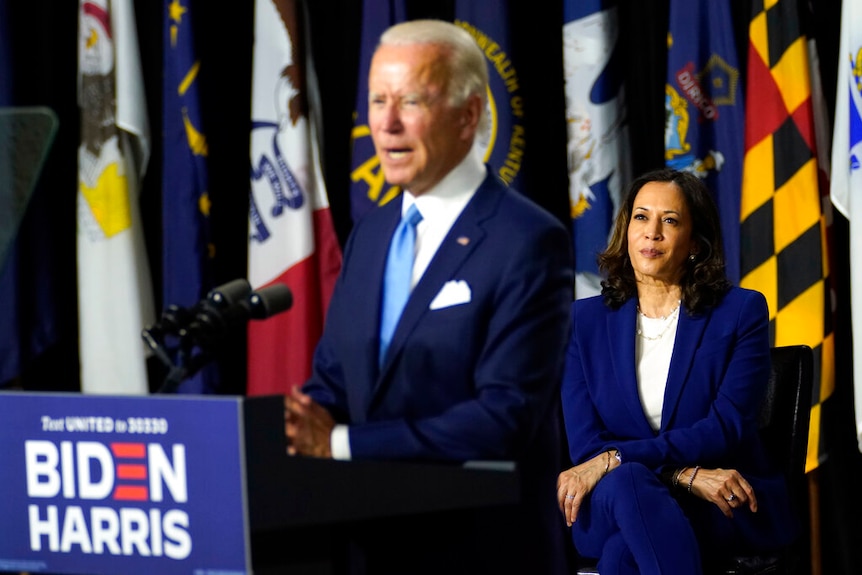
(731,498)
(570,496)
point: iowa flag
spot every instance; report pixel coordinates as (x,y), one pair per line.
(597,126)
(368,187)
(783,228)
(187,250)
(846,176)
(292,239)
(114,289)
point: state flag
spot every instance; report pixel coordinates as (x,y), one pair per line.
(114,287)
(292,239)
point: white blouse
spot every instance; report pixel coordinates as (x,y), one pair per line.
(653,350)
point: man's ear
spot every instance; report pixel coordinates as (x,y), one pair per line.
(470,114)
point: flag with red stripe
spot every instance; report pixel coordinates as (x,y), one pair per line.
(784,229)
(292,239)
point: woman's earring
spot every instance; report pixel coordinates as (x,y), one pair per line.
(691,257)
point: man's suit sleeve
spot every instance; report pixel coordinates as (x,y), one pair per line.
(327,383)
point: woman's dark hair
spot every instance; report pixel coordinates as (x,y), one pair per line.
(704,281)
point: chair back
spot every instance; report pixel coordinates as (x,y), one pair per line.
(785,414)
(784,420)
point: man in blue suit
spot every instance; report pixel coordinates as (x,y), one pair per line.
(471,370)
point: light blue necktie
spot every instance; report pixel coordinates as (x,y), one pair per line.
(398,275)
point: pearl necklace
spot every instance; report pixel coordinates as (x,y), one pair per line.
(667,321)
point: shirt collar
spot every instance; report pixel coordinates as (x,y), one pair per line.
(457,186)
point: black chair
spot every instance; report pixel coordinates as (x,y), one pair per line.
(784,419)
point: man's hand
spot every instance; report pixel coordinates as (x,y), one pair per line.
(307,425)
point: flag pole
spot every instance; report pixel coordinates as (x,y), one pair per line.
(814,520)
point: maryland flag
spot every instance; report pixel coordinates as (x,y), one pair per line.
(783,227)
(114,290)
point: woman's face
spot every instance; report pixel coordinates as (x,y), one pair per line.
(660,234)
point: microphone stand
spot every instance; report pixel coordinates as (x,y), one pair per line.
(185,338)
(184,365)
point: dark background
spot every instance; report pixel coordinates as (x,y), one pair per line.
(43,40)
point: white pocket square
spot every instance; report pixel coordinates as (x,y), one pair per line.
(453,292)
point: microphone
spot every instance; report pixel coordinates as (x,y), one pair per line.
(175,319)
(269,301)
(229,293)
(184,338)
(231,306)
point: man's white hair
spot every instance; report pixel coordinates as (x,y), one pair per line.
(468,71)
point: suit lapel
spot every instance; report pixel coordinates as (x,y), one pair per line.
(688,336)
(621,341)
(621,326)
(463,239)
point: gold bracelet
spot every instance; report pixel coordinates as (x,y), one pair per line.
(608,464)
(677,475)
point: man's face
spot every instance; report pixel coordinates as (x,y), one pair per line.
(419,137)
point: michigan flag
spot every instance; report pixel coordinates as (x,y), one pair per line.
(114,289)
(503,142)
(598,146)
(846,173)
(368,187)
(187,250)
(783,228)
(292,239)
(704,109)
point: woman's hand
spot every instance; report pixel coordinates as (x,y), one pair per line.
(724,487)
(575,484)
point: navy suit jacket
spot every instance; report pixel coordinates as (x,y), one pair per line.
(717,380)
(478,380)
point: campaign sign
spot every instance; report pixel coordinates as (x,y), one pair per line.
(132,485)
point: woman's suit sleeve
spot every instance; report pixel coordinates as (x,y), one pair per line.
(585,431)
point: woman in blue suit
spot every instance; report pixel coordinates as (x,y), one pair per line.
(665,374)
